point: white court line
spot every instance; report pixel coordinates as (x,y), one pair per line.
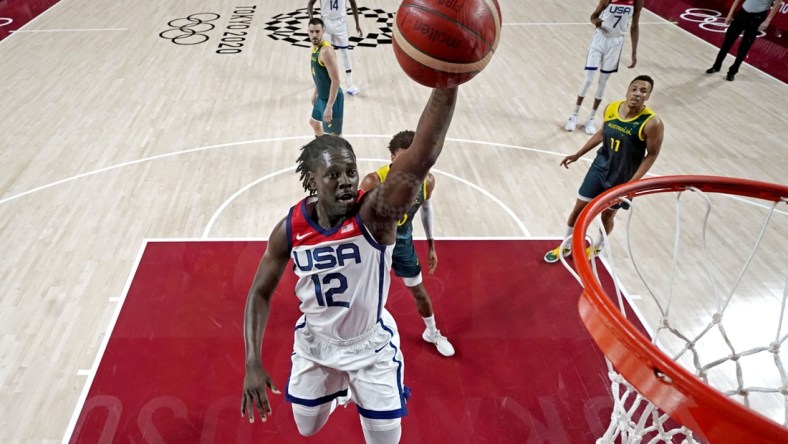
(68,30)
(280,139)
(245,188)
(588,23)
(51,7)
(91,373)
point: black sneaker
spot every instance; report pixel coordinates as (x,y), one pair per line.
(730,76)
(712,70)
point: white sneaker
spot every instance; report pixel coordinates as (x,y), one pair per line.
(353,90)
(444,346)
(590,126)
(571,123)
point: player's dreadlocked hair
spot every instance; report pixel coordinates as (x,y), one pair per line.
(309,159)
(401,141)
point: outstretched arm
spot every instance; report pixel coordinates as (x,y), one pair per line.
(592,143)
(258,303)
(354,9)
(391,200)
(655,133)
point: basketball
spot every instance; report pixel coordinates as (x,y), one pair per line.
(444,43)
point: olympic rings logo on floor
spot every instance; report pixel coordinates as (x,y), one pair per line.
(190,30)
(708,19)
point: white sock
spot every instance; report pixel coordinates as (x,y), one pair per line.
(349,77)
(568,233)
(430,321)
(593,113)
(576,111)
(600,242)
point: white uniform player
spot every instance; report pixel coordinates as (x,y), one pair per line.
(334,16)
(345,339)
(613,20)
(604,52)
(345,325)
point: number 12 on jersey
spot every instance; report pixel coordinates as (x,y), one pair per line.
(327,299)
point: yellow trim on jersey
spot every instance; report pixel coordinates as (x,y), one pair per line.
(383,172)
(640,131)
(611,114)
(323,43)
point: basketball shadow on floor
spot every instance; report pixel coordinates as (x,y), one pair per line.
(525,368)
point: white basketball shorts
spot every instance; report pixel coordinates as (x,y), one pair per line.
(336,32)
(371,365)
(604,53)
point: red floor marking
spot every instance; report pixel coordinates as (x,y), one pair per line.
(525,367)
(16,13)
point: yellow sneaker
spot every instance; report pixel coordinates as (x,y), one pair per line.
(592,252)
(551,256)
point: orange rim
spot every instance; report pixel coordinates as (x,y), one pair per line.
(662,381)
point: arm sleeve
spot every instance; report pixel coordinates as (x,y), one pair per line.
(427,217)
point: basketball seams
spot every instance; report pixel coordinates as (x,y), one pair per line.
(434,63)
(490,45)
(461,51)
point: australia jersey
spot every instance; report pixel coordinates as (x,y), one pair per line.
(405,223)
(320,73)
(617,17)
(332,9)
(343,274)
(623,147)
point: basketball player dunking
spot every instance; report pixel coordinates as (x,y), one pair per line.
(341,242)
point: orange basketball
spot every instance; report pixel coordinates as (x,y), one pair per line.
(444,43)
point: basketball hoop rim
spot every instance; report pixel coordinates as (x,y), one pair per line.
(686,398)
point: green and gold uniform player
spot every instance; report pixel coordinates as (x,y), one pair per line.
(405,261)
(327,100)
(631,139)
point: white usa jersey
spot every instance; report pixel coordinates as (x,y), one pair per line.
(343,274)
(617,18)
(332,9)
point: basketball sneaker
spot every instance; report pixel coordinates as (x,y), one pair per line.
(353,90)
(551,256)
(443,345)
(590,126)
(571,123)
(592,252)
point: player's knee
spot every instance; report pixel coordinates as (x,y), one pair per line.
(309,420)
(381,431)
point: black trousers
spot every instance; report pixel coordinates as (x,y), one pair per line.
(742,21)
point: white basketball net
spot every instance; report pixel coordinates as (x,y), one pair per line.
(750,370)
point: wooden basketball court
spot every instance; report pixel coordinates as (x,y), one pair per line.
(113,134)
